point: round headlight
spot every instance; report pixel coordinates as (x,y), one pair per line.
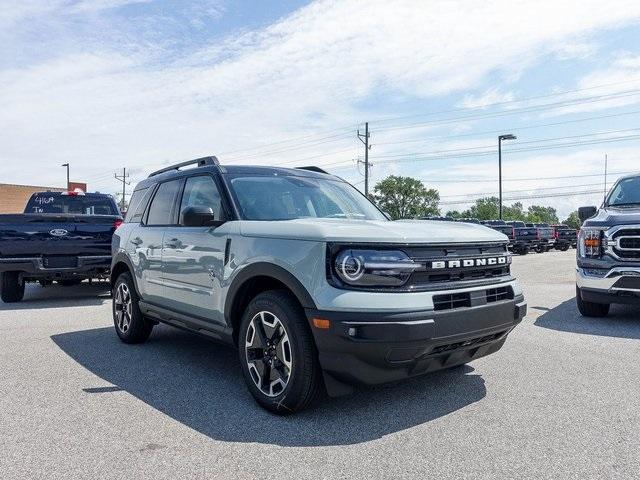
(349,267)
(373,268)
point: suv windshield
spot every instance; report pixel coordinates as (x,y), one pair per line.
(262,197)
(625,192)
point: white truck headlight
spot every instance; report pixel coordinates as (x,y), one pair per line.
(373,268)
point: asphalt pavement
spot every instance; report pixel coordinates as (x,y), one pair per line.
(560,400)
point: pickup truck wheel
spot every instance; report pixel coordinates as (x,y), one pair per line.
(11,287)
(590,309)
(277,353)
(131,326)
(540,249)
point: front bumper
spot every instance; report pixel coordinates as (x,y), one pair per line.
(34,267)
(620,284)
(374,348)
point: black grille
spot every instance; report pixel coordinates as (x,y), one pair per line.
(60,262)
(450,301)
(628,243)
(465,344)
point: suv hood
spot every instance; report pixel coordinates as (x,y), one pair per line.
(371,231)
(611,216)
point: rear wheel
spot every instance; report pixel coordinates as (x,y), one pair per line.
(11,287)
(277,353)
(131,326)
(591,309)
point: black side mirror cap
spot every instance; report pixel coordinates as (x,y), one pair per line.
(198,216)
(584,213)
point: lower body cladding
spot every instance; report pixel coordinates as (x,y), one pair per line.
(619,284)
(372,348)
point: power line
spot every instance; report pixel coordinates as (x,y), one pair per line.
(486,194)
(367,147)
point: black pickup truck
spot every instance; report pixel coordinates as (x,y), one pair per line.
(566,237)
(61,236)
(502,227)
(525,238)
(545,236)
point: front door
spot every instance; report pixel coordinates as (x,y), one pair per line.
(193,257)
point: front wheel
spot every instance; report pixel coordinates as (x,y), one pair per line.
(277,353)
(11,287)
(131,326)
(591,309)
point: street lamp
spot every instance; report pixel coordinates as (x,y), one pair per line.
(508,136)
(66,165)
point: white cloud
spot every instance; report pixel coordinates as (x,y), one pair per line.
(312,70)
(489,97)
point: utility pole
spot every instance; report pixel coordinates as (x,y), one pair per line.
(508,136)
(606,160)
(66,165)
(367,147)
(123,178)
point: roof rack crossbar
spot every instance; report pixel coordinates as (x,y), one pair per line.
(201,162)
(313,168)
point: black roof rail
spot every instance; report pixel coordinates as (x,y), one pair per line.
(312,168)
(202,162)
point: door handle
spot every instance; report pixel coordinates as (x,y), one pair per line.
(136,241)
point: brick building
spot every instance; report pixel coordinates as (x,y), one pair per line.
(13,198)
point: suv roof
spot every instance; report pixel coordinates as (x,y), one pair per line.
(211,164)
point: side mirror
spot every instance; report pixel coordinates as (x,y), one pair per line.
(585,213)
(198,216)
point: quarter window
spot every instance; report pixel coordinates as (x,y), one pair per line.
(161,209)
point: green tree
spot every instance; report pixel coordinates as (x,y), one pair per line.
(573,220)
(513,212)
(484,209)
(406,197)
(539,214)
(454,214)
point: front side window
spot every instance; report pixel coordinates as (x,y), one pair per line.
(263,197)
(625,192)
(161,208)
(202,191)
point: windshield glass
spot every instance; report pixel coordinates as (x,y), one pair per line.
(49,202)
(291,197)
(625,192)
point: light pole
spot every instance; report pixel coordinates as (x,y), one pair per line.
(66,165)
(508,136)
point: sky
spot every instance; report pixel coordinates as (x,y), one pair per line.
(107,84)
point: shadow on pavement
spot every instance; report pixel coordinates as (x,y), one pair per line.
(199,383)
(58,296)
(623,321)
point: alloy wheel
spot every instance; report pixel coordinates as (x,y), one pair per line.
(123,307)
(268,353)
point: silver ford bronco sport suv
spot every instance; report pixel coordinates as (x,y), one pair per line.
(308,279)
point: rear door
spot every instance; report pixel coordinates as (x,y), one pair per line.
(145,241)
(193,257)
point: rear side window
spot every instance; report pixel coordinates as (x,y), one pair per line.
(161,209)
(137,205)
(202,191)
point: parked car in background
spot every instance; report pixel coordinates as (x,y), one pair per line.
(311,282)
(525,238)
(502,227)
(545,236)
(61,236)
(565,237)
(608,269)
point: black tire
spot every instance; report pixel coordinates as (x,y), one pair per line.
(564,248)
(590,309)
(130,324)
(71,282)
(304,379)
(11,287)
(540,249)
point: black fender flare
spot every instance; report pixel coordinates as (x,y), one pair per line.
(264,269)
(122,257)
